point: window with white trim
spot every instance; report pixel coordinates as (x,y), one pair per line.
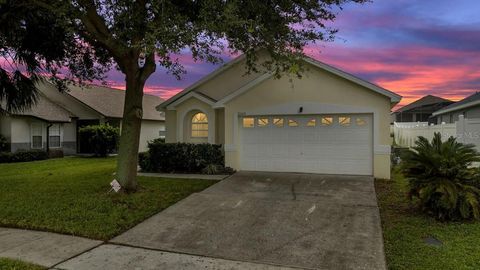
(37,135)
(54,136)
(200,125)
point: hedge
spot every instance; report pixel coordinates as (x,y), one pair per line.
(102,138)
(23,156)
(181,157)
(3,144)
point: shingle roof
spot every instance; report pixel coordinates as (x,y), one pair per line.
(46,110)
(424,101)
(109,101)
(463,103)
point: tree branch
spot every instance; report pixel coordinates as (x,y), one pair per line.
(98,30)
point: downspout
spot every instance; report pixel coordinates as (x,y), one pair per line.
(48,139)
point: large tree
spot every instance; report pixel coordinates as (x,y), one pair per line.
(90,35)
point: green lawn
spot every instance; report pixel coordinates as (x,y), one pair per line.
(70,196)
(9,264)
(404,230)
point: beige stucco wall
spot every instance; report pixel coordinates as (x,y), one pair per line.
(70,131)
(171,126)
(230,80)
(21,133)
(21,129)
(181,117)
(318,92)
(5,126)
(150,130)
(220,126)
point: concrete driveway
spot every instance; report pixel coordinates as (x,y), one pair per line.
(294,220)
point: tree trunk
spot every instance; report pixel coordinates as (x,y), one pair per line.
(130,134)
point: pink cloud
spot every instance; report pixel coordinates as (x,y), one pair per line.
(411,71)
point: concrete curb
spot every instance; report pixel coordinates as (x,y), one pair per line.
(185,176)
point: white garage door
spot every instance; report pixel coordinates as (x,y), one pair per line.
(330,144)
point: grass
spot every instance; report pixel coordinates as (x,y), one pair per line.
(405,229)
(9,264)
(70,196)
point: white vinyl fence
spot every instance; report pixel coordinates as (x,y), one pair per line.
(465,130)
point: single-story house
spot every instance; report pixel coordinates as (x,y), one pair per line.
(58,116)
(469,107)
(421,110)
(326,122)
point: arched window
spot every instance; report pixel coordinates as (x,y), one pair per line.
(199,125)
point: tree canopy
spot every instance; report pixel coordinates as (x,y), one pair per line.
(85,38)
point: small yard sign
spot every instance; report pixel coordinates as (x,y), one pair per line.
(115,185)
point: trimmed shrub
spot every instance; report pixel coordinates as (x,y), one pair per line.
(181,157)
(144,161)
(441,179)
(102,138)
(23,156)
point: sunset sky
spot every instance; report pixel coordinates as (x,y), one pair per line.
(411,47)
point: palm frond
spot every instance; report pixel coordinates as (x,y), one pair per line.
(440,176)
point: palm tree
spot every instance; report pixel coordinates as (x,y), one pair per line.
(441,177)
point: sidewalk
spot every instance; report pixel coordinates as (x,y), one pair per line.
(58,251)
(42,248)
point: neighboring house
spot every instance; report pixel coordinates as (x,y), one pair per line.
(327,122)
(421,110)
(469,107)
(57,118)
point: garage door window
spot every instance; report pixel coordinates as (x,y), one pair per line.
(311,123)
(292,123)
(344,121)
(262,122)
(327,121)
(278,122)
(248,122)
(361,122)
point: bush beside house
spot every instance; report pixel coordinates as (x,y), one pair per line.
(23,156)
(183,158)
(3,144)
(441,178)
(20,156)
(102,138)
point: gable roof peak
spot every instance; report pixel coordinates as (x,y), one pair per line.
(394,98)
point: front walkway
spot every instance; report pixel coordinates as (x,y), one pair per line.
(42,248)
(58,251)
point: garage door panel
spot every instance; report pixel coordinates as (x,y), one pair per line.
(330,149)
